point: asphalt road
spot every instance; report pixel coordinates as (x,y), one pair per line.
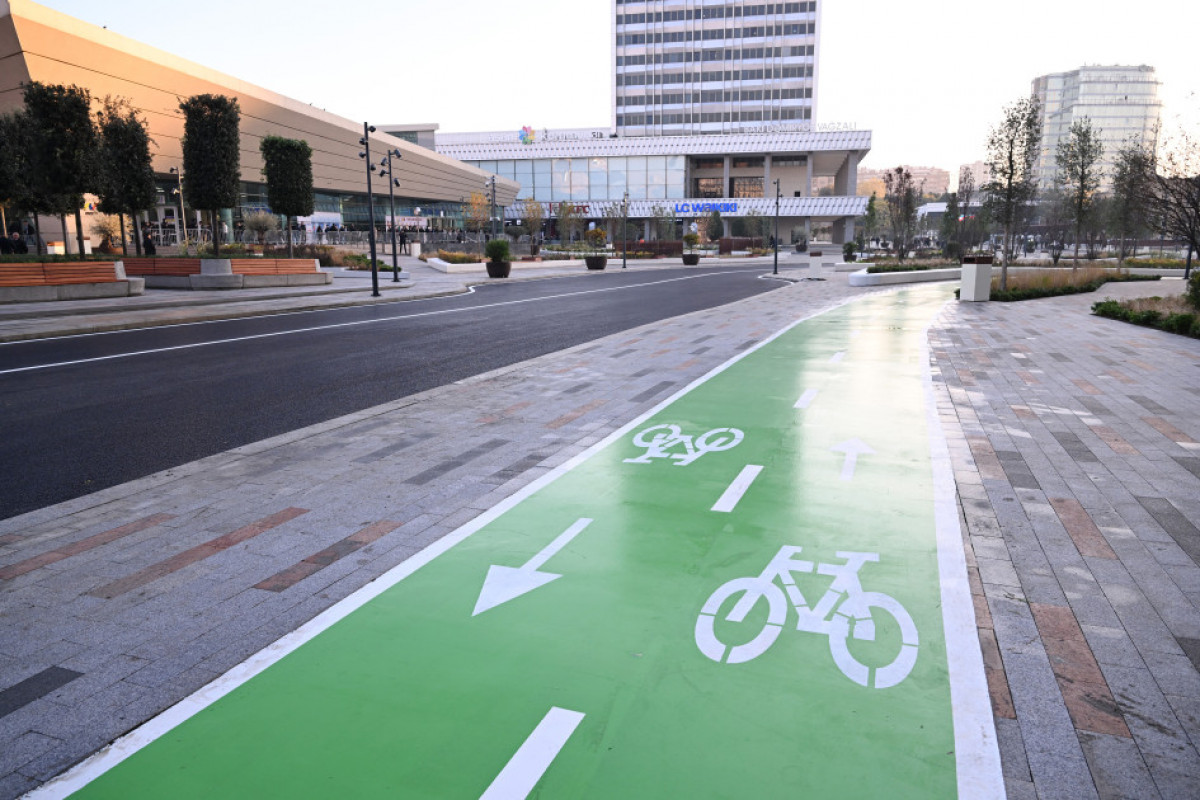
(82,413)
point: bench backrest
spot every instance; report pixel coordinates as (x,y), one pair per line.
(57,274)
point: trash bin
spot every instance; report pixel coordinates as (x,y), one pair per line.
(976,279)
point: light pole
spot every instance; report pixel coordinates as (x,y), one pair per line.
(625,230)
(178,173)
(365,141)
(491,186)
(778,193)
(386,172)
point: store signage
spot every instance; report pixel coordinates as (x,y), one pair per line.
(580,209)
(705,208)
(527,135)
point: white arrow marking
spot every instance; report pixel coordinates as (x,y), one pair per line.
(806,399)
(505,583)
(533,758)
(853,449)
(837,357)
(741,483)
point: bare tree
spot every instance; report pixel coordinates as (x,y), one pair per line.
(1012,149)
(901,198)
(1174,191)
(1078,162)
(966,194)
(1129,211)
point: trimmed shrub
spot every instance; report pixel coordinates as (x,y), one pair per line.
(1193,290)
(497,250)
(1179,323)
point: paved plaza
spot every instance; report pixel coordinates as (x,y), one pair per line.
(1073,441)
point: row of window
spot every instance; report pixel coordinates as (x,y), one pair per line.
(634,120)
(716,96)
(739,187)
(593,179)
(755,31)
(746,162)
(797,71)
(726,54)
(714,12)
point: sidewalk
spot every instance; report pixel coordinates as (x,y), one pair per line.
(1073,440)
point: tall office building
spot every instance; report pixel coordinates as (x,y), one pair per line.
(1121,102)
(692,67)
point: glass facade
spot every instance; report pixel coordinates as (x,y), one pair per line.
(554,180)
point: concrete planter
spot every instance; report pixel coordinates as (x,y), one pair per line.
(976,282)
(691,259)
(596,262)
(499,269)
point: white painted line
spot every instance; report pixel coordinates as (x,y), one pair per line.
(853,448)
(837,357)
(91,768)
(976,751)
(740,484)
(335,325)
(533,758)
(508,583)
(806,399)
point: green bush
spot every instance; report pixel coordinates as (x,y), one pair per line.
(1179,323)
(1155,263)
(497,250)
(1149,318)
(457,258)
(1193,290)
(1195,331)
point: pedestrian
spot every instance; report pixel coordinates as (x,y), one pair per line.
(148,244)
(404,242)
(18,243)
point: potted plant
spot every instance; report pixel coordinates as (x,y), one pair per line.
(598,258)
(499,263)
(848,252)
(691,258)
(802,244)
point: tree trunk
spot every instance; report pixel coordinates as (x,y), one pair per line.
(216,236)
(1075,263)
(79,231)
(137,236)
(37,233)
(121,222)
(288,223)
(1187,268)
(62,219)
(1004,259)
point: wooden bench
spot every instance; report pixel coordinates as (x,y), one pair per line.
(177,267)
(57,274)
(273,266)
(22,275)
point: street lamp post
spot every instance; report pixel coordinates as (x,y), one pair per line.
(778,193)
(365,141)
(386,172)
(490,185)
(625,230)
(178,173)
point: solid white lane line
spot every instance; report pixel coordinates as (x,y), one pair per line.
(837,357)
(740,484)
(533,758)
(806,399)
(351,324)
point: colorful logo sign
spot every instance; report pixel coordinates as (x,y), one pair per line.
(705,208)
(527,135)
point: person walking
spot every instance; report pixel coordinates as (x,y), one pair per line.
(148,244)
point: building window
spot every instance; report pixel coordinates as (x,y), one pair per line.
(747,187)
(711,187)
(748,162)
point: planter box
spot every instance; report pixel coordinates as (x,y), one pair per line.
(499,269)
(596,262)
(976,282)
(691,259)
(978,259)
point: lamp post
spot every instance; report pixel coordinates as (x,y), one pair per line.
(179,191)
(365,141)
(386,172)
(625,230)
(778,193)
(490,185)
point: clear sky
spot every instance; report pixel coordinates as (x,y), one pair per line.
(928,77)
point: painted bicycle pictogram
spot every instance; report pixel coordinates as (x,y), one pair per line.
(669,441)
(845,610)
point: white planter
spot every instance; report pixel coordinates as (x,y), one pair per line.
(976,282)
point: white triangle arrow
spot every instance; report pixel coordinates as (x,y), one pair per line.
(853,448)
(506,583)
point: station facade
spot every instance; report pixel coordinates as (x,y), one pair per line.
(604,176)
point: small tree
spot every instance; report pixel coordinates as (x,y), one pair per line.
(1174,191)
(967,229)
(14,188)
(1056,222)
(870,222)
(568,220)
(714,228)
(951,245)
(664,222)
(260,223)
(287,166)
(211,157)
(533,214)
(479,212)
(1128,211)
(901,199)
(1078,162)
(1013,147)
(60,151)
(126,175)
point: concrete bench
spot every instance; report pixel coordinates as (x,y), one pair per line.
(26,282)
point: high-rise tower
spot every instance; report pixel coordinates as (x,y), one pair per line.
(690,66)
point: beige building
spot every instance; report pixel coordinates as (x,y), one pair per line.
(931,180)
(39,44)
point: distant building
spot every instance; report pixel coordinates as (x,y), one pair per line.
(979,173)
(936,181)
(1121,101)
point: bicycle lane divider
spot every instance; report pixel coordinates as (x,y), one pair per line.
(828,590)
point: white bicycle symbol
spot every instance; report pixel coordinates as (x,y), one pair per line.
(659,440)
(845,600)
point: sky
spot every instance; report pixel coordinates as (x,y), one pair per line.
(927,77)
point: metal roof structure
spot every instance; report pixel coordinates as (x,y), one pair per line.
(816,207)
(479,147)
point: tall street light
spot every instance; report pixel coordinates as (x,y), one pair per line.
(386,172)
(778,194)
(365,141)
(490,185)
(178,173)
(625,230)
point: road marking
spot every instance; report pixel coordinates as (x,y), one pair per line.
(741,483)
(837,357)
(667,437)
(806,399)
(506,583)
(533,758)
(336,324)
(853,448)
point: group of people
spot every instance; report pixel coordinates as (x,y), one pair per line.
(13,244)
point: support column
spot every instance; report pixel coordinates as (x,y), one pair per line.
(646,229)
(768,187)
(808,176)
(725,188)
(725,227)
(845,183)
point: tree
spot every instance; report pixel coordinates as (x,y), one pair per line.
(1078,162)
(14,188)
(1056,222)
(479,212)
(870,222)
(260,223)
(126,175)
(901,199)
(714,228)
(758,225)
(1012,149)
(664,222)
(60,151)
(211,157)
(533,214)
(1174,191)
(967,229)
(287,166)
(568,220)
(951,246)
(1128,211)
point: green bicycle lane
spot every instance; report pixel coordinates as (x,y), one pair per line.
(738,595)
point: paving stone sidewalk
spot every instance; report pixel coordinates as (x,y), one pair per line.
(116,605)
(1074,441)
